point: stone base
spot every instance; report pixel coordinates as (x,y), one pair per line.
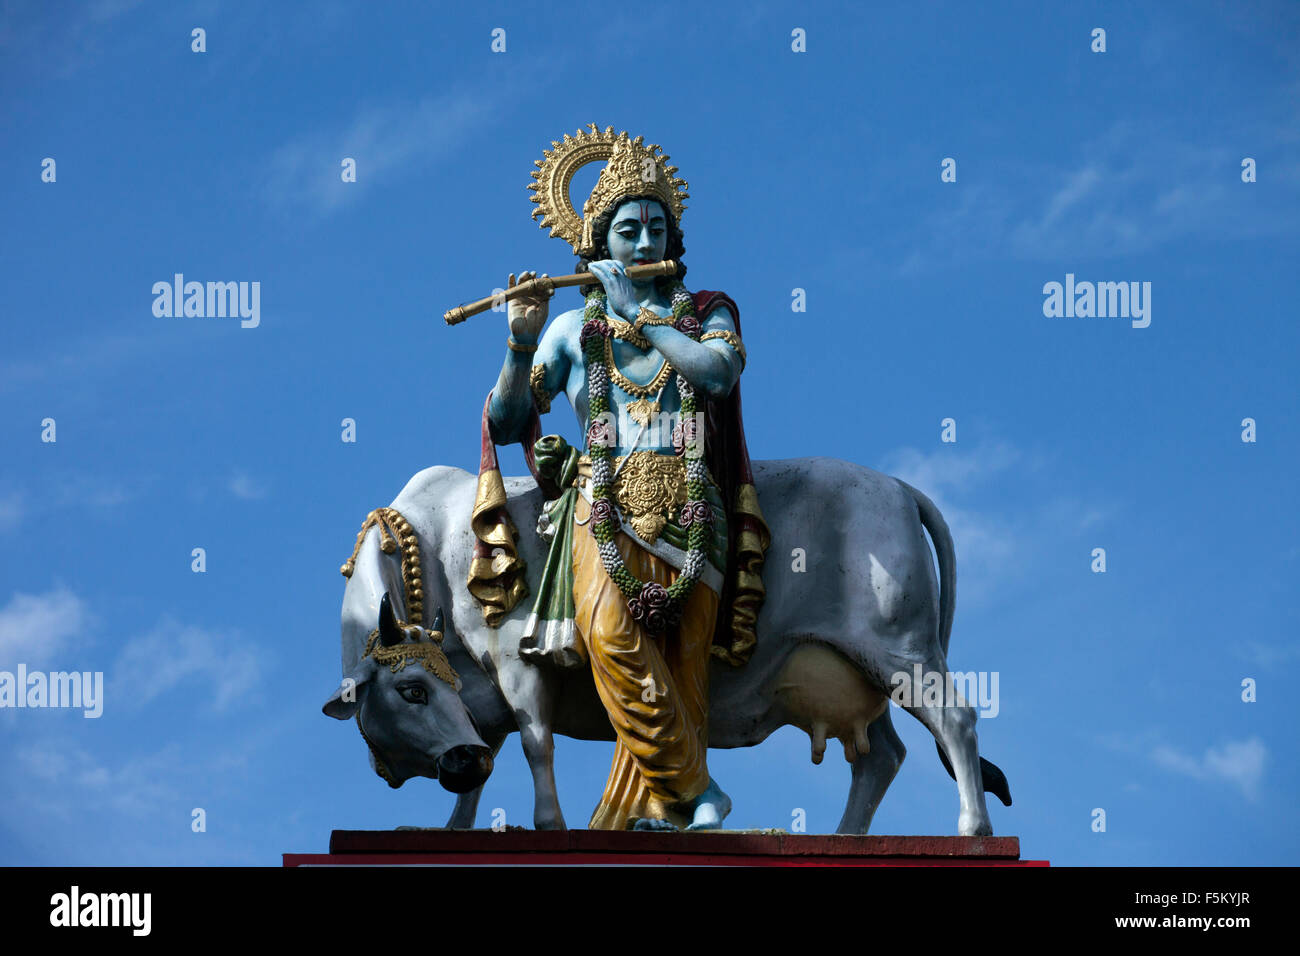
(521,847)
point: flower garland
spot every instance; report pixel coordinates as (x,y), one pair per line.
(656,607)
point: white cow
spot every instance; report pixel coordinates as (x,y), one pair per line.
(830,638)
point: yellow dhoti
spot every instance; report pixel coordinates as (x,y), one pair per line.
(655,689)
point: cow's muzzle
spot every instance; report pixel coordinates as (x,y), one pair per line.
(463,768)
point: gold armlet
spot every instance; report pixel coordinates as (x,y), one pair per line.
(731,338)
(537,381)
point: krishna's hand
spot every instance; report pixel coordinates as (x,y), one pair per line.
(527,314)
(618,287)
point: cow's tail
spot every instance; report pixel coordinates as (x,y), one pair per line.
(932,521)
(995,781)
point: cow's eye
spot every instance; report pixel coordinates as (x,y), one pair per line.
(414,693)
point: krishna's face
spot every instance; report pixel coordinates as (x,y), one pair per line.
(638,233)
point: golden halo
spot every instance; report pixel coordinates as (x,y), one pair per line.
(631,168)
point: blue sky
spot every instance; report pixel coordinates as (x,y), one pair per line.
(817,170)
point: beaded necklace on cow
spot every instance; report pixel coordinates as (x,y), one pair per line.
(656,607)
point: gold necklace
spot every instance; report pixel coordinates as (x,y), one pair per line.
(626,384)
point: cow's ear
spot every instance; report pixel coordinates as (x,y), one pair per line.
(347,699)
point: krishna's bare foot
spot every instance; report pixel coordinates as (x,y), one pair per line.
(707,811)
(710,808)
(653,823)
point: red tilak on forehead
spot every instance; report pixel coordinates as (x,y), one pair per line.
(645,211)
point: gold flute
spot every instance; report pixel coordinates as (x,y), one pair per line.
(549,284)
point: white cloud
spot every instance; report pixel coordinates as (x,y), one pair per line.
(96,492)
(950,469)
(77,363)
(72,780)
(1269,656)
(384,140)
(996,546)
(69,803)
(1130,189)
(171,654)
(43,763)
(101,11)
(985,543)
(1240,763)
(11,510)
(1077,187)
(97,495)
(36,627)
(242,485)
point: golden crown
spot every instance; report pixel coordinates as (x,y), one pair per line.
(631,169)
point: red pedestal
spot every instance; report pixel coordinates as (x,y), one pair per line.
(519,847)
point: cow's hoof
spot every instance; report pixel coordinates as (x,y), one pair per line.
(973,826)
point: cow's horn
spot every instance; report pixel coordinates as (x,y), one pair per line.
(389,632)
(437,623)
